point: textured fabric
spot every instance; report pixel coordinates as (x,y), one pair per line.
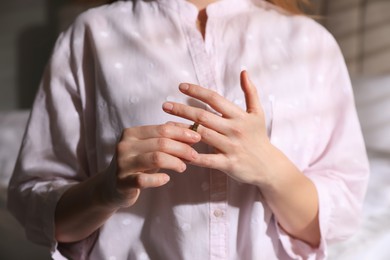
(116,66)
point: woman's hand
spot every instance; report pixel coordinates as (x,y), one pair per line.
(242,147)
(244,152)
(141,153)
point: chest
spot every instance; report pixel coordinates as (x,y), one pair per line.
(137,73)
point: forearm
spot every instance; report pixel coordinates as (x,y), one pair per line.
(81,210)
(293,199)
(140,153)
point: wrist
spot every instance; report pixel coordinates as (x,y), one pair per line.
(281,174)
(104,194)
(109,194)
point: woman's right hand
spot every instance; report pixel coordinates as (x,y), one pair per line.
(140,154)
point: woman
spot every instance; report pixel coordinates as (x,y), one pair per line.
(121,164)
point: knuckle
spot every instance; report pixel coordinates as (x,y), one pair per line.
(207,134)
(213,97)
(203,117)
(127,132)
(238,132)
(207,162)
(121,148)
(162,144)
(156,159)
(163,130)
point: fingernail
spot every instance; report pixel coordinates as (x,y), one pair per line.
(194,154)
(184,86)
(248,78)
(194,136)
(166,178)
(168,106)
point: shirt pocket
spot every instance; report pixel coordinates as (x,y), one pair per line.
(295,131)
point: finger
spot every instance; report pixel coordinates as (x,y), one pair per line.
(165,145)
(178,124)
(144,180)
(212,98)
(153,160)
(161,131)
(184,126)
(198,115)
(251,97)
(212,161)
(210,137)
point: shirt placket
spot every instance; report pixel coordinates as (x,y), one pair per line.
(201,52)
(218,215)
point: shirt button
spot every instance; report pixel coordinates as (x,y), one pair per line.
(218,213)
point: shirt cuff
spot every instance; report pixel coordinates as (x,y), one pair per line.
(298,249)
(40,226)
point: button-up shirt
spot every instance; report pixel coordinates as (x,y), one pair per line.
(115,67)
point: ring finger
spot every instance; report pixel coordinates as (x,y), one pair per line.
(198,115)
(165,145)
(161,131)
(209,136)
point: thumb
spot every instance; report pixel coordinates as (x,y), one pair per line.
(251,97)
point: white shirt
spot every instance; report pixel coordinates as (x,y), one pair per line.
(116,66)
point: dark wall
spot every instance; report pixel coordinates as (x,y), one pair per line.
(29,29)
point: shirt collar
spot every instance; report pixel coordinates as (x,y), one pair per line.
(218,9)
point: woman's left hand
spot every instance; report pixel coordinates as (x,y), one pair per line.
(242,147)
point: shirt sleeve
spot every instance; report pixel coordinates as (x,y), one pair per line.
(339,166)
(53,155)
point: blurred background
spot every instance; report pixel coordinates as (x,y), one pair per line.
(29,28)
